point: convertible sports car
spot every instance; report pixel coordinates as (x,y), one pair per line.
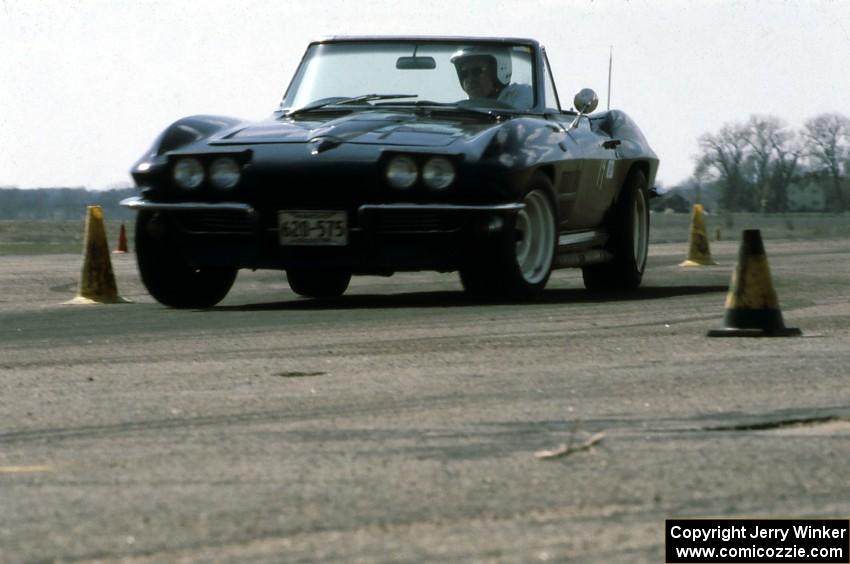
(393,154)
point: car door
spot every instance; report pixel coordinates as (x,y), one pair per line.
(586,184)
(596,186)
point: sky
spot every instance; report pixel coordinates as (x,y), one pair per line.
(86,85)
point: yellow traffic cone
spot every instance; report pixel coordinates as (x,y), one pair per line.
(699,254)
(752,308)
(97,282)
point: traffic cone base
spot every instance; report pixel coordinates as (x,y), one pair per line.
(97,281)
(80,300)
(754,323)
(731,332)
(697,263)
(752,308)
(699,253)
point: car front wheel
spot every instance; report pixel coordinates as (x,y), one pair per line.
(522,262)
(167,276)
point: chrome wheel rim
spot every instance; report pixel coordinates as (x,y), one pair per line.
(535,227)
(640,226)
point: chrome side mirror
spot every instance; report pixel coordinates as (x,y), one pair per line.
(584,102)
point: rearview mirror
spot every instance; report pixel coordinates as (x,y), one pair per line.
(585,101)
(416,63)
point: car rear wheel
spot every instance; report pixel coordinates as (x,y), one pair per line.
(628,226)
(318,283)
(521,263)
(166,274)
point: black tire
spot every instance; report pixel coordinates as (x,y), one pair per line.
(519,264)
(318,283)
(628,227)
(167,276)
(477,282)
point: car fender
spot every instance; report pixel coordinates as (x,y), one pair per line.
(522,146)
(181,133)
(524,143)
(186,131)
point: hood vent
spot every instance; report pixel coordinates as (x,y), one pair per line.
(324,143)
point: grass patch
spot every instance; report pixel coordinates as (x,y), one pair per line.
(24,237)
(675,227)
(20,237)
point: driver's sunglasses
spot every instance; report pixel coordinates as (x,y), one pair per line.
(474,72)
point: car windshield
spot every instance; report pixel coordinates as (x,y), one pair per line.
(467,74)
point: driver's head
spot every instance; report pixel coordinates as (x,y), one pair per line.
(482,73)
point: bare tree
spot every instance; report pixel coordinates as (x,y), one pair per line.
(787,154)
(724,153)
(827,138)
(762,138)
(700,176)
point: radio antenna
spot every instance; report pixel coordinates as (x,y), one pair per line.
(610,64)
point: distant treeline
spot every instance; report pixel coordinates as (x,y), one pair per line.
(764,165)
(62,203)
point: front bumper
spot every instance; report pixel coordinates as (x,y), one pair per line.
(383,237)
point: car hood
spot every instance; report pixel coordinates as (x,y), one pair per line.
(370,128)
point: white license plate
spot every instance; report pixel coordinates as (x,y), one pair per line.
(313,227)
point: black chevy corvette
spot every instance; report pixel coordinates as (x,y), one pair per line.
(393,154)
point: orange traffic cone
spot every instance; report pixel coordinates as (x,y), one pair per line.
(97,282)
(699,253)
(752,308)
(122,241)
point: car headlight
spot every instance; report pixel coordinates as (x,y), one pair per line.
(188,173)
(402,172)
(438,173)
(224,173)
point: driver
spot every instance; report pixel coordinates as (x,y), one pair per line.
(486,73)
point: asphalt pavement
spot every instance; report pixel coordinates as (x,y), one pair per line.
(404,423)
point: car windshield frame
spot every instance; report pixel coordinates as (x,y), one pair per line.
(354,74)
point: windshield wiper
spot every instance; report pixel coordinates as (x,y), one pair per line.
(452,107)
(342,101)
